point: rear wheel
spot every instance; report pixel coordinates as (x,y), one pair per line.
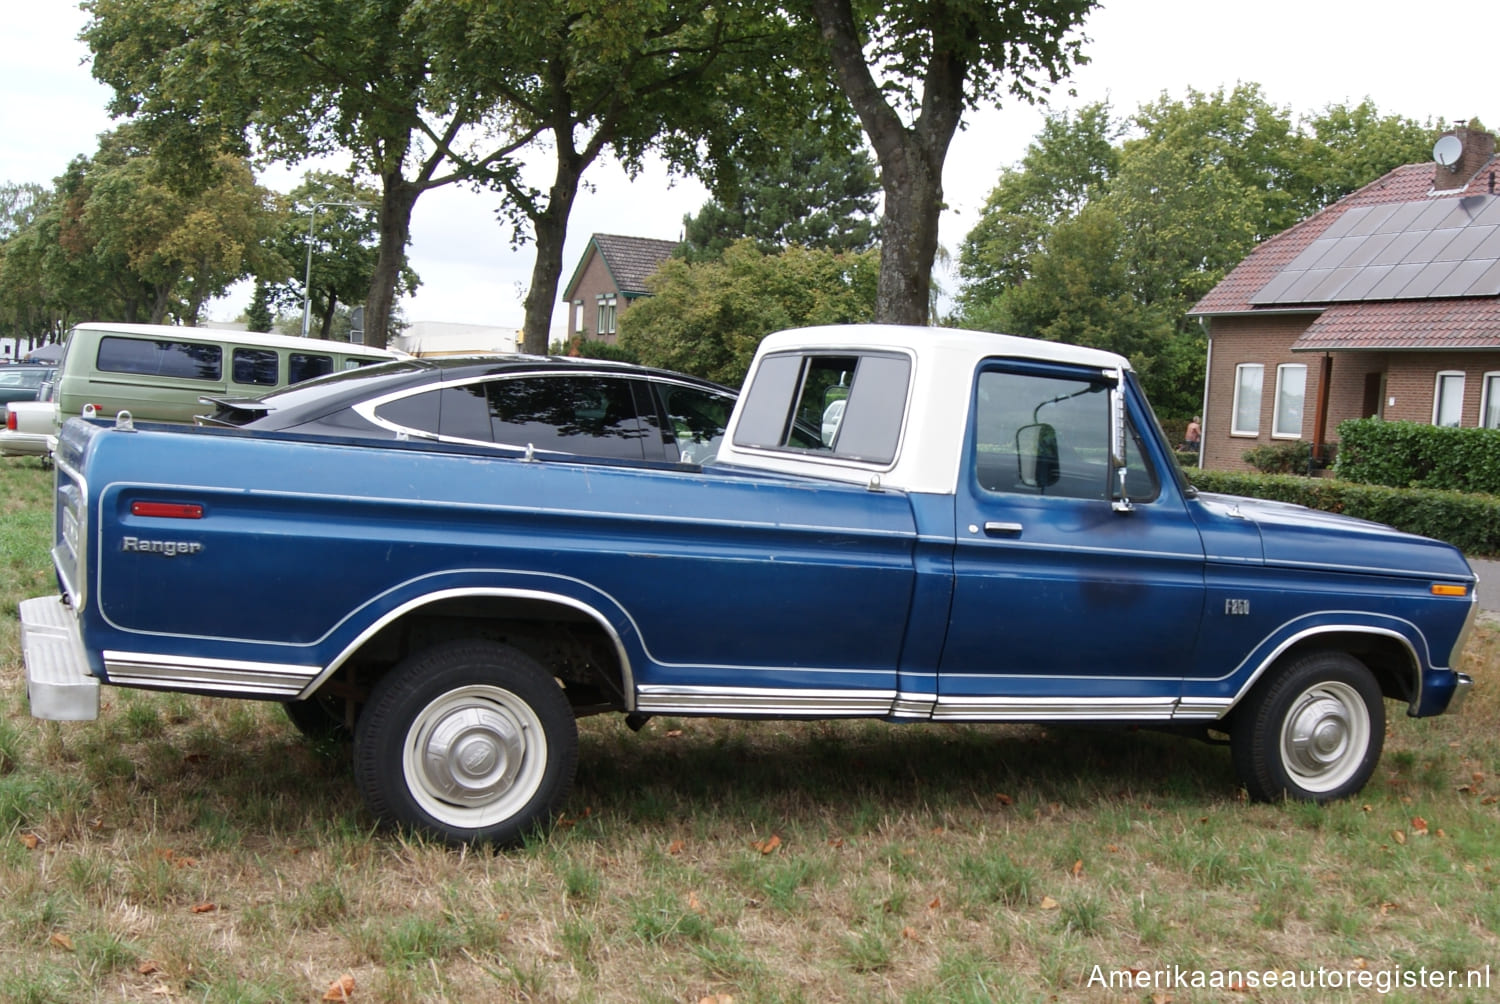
(1312,732)
(471,741)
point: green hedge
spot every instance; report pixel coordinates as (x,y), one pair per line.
(1470,522)
(1413,455)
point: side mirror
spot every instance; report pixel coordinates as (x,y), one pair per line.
(1037,463)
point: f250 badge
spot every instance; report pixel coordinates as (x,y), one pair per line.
(166,548)
(1237,608)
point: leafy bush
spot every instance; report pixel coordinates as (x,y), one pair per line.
(1280,458)
(1471,522)
(1411,454)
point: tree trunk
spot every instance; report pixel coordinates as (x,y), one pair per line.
(551,231)
(911,160)
(325,323)
(397,198)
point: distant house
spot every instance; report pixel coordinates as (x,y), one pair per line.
(610,276)
(443,338)
(1385,303)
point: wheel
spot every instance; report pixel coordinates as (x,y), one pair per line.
(1313,731)
(470,741)
(317,717)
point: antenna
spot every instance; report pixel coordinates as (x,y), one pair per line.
(1448,151)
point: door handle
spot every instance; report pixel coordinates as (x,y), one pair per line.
(994,529)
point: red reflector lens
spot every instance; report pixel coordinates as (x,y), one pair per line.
(10,420)
(167,510)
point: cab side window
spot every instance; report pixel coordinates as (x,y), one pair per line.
(1049,435)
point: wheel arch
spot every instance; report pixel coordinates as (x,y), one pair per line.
(1389,654)
(497,604)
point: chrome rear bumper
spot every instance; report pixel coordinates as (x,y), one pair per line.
(59,685)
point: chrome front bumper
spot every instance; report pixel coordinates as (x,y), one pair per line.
(58,682)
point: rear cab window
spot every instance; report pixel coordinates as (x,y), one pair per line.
(849,406)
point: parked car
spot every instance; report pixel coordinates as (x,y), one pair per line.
(30,429)
(159,372)
(22,382)
(588,407)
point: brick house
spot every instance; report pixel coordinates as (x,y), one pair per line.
(610,275)
(1385,303)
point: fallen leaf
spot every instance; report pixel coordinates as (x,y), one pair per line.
(1419,826)
(62,941)
(695,904)
(716,999)
(205,908)
(936,904)
(1161,998)
(1386,909)
(768,845)
(1112,848)
(909,933)
(148,968)
(674,733)
(1399,836)
(30,840)
(836,842)
(676,847)
(1367,807)
(1004,799)
(1078,868)
(341,989)
(1048,903)
(1360,963)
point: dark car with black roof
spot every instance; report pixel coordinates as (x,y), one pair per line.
(585,407)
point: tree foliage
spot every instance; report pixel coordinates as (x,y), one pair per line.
(708,318)
(1108,232)
(818,191)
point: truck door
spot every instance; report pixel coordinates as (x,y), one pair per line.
(1063,606)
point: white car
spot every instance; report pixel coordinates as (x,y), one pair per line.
(30,429)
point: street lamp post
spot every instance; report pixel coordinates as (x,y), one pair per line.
(307,279)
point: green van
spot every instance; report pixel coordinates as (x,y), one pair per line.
(157,372)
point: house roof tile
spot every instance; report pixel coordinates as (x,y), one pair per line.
(1409,183)
(632,259)
(1405,325)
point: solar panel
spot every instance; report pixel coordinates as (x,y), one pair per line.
(1404,251)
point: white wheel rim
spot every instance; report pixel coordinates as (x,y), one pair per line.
(1325,736)
(474,757)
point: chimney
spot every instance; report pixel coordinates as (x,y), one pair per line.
(1473,150)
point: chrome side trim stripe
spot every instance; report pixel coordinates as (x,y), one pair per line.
(1054,709)
(206,676)
(761,701)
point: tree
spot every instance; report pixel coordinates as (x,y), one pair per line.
(1190,188)
(910,68)
(708,318)
(259,317)
(336,213)
(685,77)
(1069,163)
(818,192)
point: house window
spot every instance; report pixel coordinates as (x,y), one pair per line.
(606,314)
(1489,406)
(1291,389)
(1448,399)
(578,317)
(1247,381)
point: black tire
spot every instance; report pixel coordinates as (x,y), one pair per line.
(1311,731)
(318,718)
(470,741)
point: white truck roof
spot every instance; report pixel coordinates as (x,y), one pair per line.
(944,361)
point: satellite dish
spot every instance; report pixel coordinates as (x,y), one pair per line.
(1448,151)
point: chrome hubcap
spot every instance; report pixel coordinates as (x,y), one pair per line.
(475,756)
(1325,736)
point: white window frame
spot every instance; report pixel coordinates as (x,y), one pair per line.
(607,314)
(1489,397)
(1277,432)
(1437,395)
(1234,409)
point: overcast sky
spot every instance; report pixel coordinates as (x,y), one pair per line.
(1305,54)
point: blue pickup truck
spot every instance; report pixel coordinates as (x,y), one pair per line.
(907,524)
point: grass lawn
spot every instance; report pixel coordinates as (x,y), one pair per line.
(193,849)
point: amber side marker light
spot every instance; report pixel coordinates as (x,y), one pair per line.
(1442,589)
(167,510)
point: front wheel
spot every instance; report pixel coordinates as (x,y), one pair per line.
(1312,732)
(470,741)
